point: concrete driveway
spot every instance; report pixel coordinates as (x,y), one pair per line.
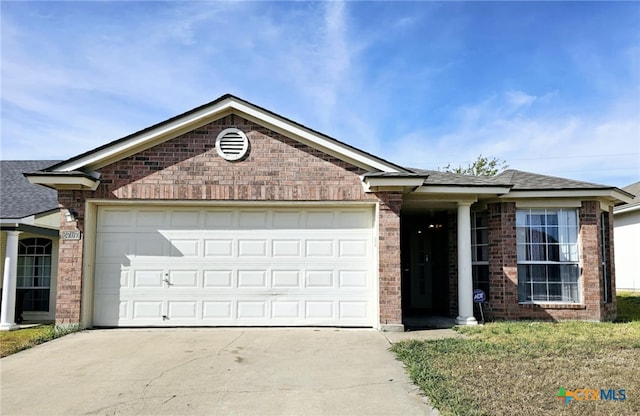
(210,371)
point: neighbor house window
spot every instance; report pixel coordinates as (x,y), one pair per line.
(34,274)
(480,250)
(548,268)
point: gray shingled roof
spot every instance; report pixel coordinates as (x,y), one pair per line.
(515,179)
(532,181)
(18,197)
(454,179)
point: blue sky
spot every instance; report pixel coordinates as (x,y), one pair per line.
(550,87)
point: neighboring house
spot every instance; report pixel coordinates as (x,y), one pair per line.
(29,220)
(626,221)
(231,215)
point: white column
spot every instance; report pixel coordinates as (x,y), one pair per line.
(465,280)
(9,282)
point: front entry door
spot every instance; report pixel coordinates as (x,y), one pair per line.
(421,269)
(425,259)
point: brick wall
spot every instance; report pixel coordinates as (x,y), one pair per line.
(389,258)
(69,281)
(503,271)
(277,168)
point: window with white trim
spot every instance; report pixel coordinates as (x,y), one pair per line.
(34,274)
(548,261)
(480,250)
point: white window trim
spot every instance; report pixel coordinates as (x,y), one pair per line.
(580,299)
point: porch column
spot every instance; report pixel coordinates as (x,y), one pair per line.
(9,282)
(465,280)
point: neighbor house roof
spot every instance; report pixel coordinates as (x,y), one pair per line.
(18,197)
(634,205)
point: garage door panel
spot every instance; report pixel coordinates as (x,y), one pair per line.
(353,248)
(252,309)
(353,278)
(352,310)
(146,245)
(184,279)
(319,278)
(249,266)
(253,219)
(218,278)
(252,248)
(286,248)
(148,278)
(319,248)
(147,309)
(217,310)
(320,310)
(286,220)
(185,247)
(285,310)
(182,310)
(286,278)
(252,279)
(110,278)
(218,248)
(219,219)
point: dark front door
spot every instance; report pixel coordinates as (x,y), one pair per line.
(425,277)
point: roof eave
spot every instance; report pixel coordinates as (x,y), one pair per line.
(624,209)
(611,195)
(391,183)
(64,182)
(463,189)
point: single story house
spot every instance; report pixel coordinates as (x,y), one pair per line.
(626,221)
(29,222)
(232,215)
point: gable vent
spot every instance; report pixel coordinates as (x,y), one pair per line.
(232,144)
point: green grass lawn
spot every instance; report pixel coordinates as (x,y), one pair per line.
(21,339)
(517,368)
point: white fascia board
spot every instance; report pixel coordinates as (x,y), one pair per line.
(314,140)
(570,193)
(374,182)
(65,182)
(135,144)
(475,190)
(17,221)
(167,131)
(624,209)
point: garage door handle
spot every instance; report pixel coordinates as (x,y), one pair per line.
(167,282)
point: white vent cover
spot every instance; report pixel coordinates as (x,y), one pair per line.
(232,144)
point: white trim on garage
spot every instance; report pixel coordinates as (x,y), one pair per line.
(253,274)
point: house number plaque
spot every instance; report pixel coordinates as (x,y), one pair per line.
(70,235)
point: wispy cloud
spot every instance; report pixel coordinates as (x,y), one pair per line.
(599,148)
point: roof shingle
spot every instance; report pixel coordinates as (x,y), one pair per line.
(18,197)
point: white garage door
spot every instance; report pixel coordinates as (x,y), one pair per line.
(234,266)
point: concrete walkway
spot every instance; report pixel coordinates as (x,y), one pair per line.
(242,371)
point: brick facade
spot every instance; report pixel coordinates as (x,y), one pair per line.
(503,269)
(277,168)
